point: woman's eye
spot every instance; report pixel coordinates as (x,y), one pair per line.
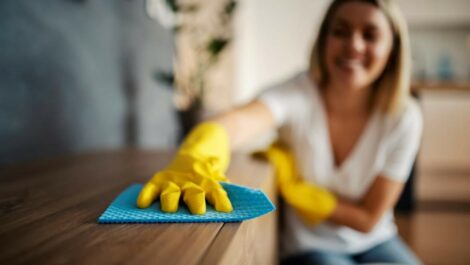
(339,32)
(370,36)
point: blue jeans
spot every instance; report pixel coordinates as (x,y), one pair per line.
(392,251)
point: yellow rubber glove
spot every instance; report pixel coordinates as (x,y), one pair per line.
(312,202)
(195,172)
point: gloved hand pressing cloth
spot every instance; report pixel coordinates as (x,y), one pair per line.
(194,173)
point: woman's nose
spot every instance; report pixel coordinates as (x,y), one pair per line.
(355,44)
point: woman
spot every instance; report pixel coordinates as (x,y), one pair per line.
(353,132)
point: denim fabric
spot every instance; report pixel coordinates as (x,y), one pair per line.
(393,251)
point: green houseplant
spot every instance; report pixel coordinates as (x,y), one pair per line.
(202,32)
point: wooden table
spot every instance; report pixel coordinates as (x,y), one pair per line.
(49,211)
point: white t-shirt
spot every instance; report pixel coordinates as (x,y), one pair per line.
(387,146)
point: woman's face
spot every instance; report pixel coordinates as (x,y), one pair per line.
(358,45)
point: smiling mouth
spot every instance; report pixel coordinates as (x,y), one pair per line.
(350,64)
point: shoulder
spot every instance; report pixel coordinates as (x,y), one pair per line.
(408,120)
(402,141)
(295,85)
(411,114)
(288,99)
(292,93)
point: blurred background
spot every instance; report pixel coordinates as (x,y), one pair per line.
(80,76)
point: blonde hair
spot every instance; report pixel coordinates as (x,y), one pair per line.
(391,90)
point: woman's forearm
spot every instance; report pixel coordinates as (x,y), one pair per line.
(354,216)
(364,215)
(244,123)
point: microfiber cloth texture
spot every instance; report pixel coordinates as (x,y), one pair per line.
(247,204)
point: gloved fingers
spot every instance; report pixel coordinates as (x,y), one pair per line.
(299,196)
(147,195)
(218,197)
(170,196)
(225,179)
(218,176)
(195,198)
(314,204)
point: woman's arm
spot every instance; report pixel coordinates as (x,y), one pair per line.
(363,216)
(246,122)
(403,141)
(185,177)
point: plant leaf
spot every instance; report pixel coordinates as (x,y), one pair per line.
(172,5)
(165,77)
(216,45)
(230,7)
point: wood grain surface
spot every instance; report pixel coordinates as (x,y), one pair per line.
(49,211)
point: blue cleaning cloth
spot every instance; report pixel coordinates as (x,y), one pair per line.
(247,204)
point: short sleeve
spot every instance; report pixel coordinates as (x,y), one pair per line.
(403,142)
(282,100)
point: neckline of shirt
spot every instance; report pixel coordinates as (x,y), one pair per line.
(312,90)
